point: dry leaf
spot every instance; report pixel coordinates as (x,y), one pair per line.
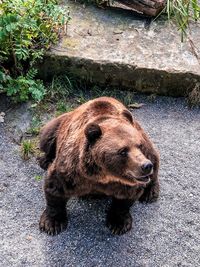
(136,105)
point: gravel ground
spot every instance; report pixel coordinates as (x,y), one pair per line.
(166,233)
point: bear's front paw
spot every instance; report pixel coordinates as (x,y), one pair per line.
(52,225)
(119,224)
(150,194)
(44,162)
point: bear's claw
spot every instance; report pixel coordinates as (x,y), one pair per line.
(151,194)
(50,225)
(44,162)
(119,224)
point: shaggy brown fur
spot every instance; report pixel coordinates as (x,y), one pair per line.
(97,148)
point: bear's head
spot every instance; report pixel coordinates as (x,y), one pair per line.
(116,149)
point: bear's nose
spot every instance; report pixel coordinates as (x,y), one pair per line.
(147,167)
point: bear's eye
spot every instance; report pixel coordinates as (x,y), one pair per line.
(123,152)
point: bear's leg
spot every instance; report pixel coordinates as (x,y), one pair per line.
(44,161)
(49,155)
(54,218)
(151,192)
(119,219)
(48,139)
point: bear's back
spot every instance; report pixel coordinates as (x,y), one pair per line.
(99,108)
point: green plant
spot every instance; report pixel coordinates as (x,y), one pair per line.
(184,12)
(24,86)
(69,91)
(62,107)
(27,148)
(38,178)
(35,126)
(61,87)
(27,29)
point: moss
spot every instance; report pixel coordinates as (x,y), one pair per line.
(70,42)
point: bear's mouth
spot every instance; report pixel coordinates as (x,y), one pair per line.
(145,179)
(141,179)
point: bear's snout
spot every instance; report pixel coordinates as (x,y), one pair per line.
(147,167)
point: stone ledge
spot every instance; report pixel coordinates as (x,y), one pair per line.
(118,74)
(116,48)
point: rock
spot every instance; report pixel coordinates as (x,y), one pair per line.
(29,238)
(125,50)
(19,121)
(2,115)
(146,7)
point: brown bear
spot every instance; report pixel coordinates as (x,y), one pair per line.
(97,148)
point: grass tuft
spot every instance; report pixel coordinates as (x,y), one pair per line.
(183,12)
(67,92)
(27,149)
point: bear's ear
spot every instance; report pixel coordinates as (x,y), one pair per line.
(93,132)
(127,114)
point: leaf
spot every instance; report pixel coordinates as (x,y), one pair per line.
(27,30)
(38,178)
